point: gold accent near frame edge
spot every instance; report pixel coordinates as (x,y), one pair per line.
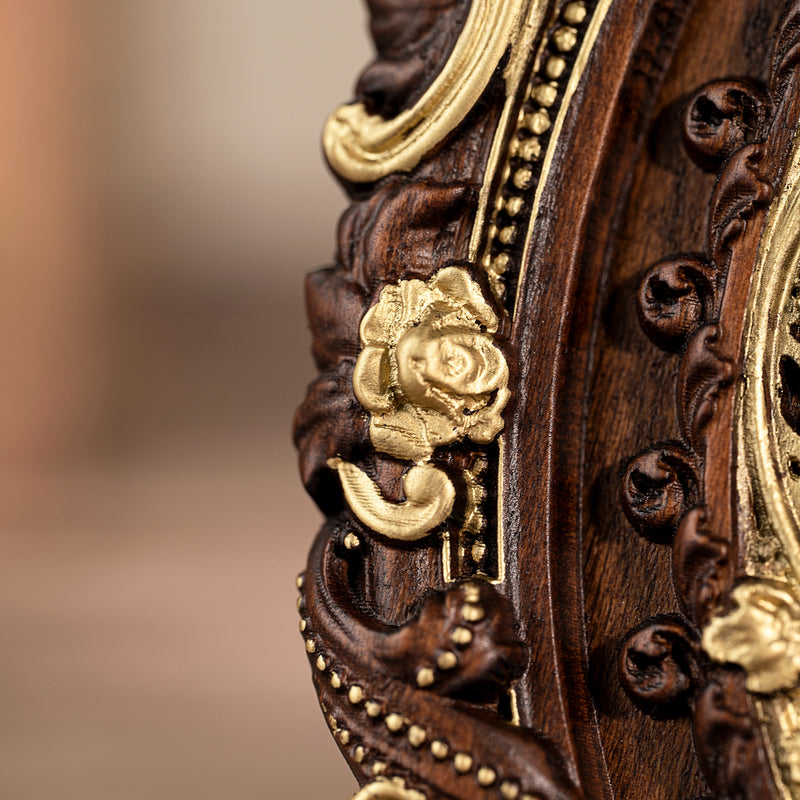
(363,147)
(768,512)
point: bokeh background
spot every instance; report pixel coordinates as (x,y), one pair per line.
(163,193)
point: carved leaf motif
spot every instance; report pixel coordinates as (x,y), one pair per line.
(429,500)
(704,374)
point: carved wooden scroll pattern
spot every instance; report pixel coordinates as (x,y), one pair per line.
(451,660)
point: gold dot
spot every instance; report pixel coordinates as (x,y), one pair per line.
(575,13)
(303,626)
(332,722)
(321,664)
(351,541)
(513,207)
(447,660)
(378,768)
(507,234)
(538,122)
(359,754)
(509,791)
(478,552)
(439,749)
(565,38)
(462,762)
(299,603)
(416,735)
(373,709)
(310,645)
(472,592)
(530,149)
(394,722)
(300,581)
(461,637)
(486,776)
(344,737)
(554,68)
(492,234)
(472,613)
(545,94)
(425,677)
(500,264)
(336,681)
(522,178)
(355,695)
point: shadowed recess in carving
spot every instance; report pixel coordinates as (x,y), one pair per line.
(790,392)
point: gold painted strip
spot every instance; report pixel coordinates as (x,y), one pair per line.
(515,72)
(364,147)
(576,76)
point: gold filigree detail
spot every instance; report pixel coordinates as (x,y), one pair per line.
(430,374)
(762,635)
(363,147)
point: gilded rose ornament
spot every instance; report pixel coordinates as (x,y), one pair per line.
(430,374)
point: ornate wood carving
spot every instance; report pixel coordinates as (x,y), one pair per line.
(528,433)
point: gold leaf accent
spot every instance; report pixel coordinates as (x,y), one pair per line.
(387,790)
(762,635)
(429,500)
(363,147)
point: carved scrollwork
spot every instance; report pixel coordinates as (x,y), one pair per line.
(658,666)
(721,118)
(676,297)
(705,372)
(657,488)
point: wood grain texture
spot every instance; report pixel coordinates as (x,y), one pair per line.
(621,318)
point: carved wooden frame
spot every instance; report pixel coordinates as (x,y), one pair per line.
(553,429)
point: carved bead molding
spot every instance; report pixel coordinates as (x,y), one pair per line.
(556,430)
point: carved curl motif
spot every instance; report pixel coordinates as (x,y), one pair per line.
(681,304)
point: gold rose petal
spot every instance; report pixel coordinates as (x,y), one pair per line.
(371,380)
(429,492)
(402,434)
(455,283)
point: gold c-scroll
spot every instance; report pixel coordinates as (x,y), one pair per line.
(363,147)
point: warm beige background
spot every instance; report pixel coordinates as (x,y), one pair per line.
(163,193)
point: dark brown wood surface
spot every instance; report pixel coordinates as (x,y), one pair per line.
(618,505)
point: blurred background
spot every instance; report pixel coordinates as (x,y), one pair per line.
(163,193)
